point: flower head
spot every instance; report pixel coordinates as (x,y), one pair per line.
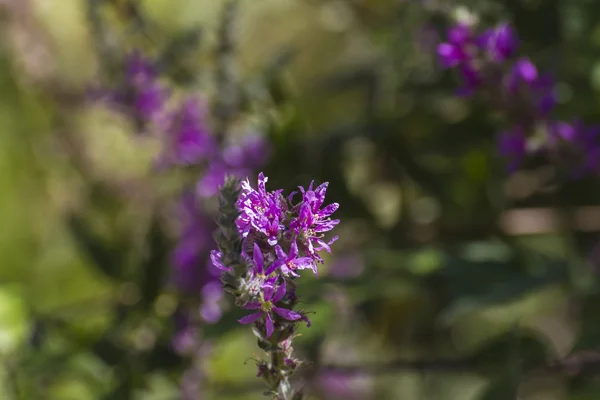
(260,210)
(312,221)
(500,42)
(459,47)
(266,306)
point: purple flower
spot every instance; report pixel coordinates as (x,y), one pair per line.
(186,338)
(513,146)
(267,306)
(210,310)
(260,210)
(290,262)
(347,266)
(500,42)
(456,50)
(451,55)
(337,385)
(471,79)
(259,266)
(194,241)
(139,70)
(313,221)
(140,96)
(188,139)
(577,144)
(524,81)
(523,72)
(213,177)
(215,257)
(250,153)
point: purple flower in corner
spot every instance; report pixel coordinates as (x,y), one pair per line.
(271,296)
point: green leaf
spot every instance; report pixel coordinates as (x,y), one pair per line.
(518,350)
(474,285)
(154,267)
(106,258)
(500,389)
(589,333)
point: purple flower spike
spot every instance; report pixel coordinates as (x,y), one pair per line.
(266,223)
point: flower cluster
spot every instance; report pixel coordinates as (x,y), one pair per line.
(265,240)
(490,68)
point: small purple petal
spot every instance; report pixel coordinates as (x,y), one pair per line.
(253,305)
(268,291)
(281,290)
(258,259)
(248,319)
(269,325)
(287,314)
(215,257)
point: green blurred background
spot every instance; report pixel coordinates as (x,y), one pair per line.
(451,280)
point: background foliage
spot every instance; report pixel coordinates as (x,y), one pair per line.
(451,279)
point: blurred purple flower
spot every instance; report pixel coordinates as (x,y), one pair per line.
(187,140)
(577,144)
(459,47)
(471,80)
(337,385)
(238,159)
(140,96)
(250,153)
(347,266)
(524,72)
(186,338)
(513,146)
(210,309)
(195,239)
(500,42)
